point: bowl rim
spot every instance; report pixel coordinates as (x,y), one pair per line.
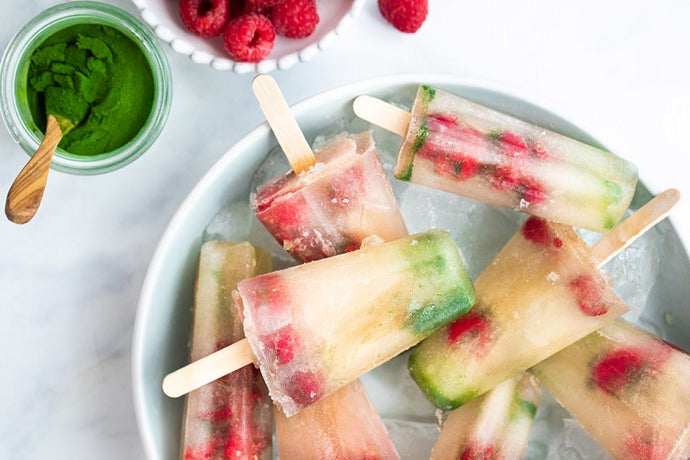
(215,172)
(182,46)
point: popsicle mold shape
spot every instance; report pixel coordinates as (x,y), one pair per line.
(461,147)
(495,425)
(628,388)
(325,429)
(330,208)
(230,417)
(540,294)
(318,326)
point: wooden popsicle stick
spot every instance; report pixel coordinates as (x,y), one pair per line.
(283,124)
(625,233)
(383,114)
(208,369)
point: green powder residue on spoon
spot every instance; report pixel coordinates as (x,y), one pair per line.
(96,82)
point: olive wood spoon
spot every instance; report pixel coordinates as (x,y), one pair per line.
(26,191)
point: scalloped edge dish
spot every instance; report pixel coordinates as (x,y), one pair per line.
(286,53)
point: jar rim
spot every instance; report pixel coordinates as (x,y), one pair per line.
(14,66)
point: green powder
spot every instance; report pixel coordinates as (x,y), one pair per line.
(96,75)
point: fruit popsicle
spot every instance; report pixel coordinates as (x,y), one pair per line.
(340,426)
(330,208)
(315,327)
(461,147)
(541,293)
(495,425)
(231,417)
(628,388)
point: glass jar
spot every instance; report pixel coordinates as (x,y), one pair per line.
(14,70)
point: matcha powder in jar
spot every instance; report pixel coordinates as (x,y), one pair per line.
(97,74)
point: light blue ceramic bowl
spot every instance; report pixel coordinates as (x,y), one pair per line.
(163,320)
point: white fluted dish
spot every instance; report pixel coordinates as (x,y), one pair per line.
(336,16)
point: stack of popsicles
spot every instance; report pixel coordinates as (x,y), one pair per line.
(341,201)
(315,328)
(231,417)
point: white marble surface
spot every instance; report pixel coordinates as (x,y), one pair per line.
(70,279)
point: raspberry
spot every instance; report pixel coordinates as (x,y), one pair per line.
(205,18)
(536,230)
(265,3)
(295,18)
(473,326)
(240,7)
(284,342)
(249,38)
(201,452)
(618,369)
(478,452)
(531,191)
(441,121)
(306,387)
(217,415)
(588,294)
(405,15)
(513,140)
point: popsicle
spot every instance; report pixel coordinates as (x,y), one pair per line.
(495,425)
(335,206)
(231,417)
(315,327)
(332,207)
(325,429)
(333,198)
(461,147)
(628,388)
(541,293)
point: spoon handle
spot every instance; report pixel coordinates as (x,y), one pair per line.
(26,191)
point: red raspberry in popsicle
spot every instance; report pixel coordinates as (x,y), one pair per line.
(471,326)
(284,342)
(238,445)
(531,191)
(536,230)
(618,369)
(217,415)
(477,452)
(513,144)
(201,452)
(205,18)
(295,18)
(588,295)
(644,445)
(305,387)
(440,122)
(249,38)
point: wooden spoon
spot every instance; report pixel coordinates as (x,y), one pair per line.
(26,191)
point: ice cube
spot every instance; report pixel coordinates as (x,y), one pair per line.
(480,230)
(413,440)
(231,223)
